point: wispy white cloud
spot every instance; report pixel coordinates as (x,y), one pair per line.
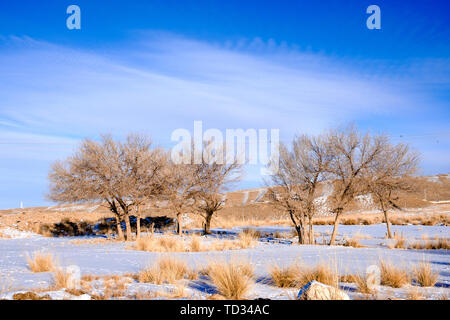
(164,83)
(160,82)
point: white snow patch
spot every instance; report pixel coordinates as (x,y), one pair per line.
(11,233)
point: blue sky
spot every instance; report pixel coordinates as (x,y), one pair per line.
(155,66)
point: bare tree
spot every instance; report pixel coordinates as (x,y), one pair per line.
(388,175)
(351,154)
(180,190)
(212,177)
(142,173)
(91,174)
(296,184)
(121,174)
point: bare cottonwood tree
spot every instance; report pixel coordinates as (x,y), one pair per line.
(142,176)
(118,173)
(212,177)
(388,175)
(180,189)
(352,153)
(91,174)
(296,184)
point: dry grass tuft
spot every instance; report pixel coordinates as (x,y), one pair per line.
(392,276)
(232,279)
(414,294)
(60,278)
(193,244)
(247,239)
(41,262)
(424,275)
(255,234)
(400,242)
(431,244)
(286,277)
(296,276)
(352,242)
(165,270)
(196,244)
(160,244)
(324,273)
(5,285)
(30,296)
(361,284)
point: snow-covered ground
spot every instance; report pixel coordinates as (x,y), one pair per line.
(114,258)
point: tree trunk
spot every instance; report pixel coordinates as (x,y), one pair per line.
(388,224)
(335,228)
(138,222)
(207,224)
(128,227)
(119,228)
(311,232)
(179,226)
(299,234)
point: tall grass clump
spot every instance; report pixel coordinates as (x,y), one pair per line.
(41,262)
(196,244)
(361,283)
(392,276)
(165,270)
(399,242)
(233,280)
(424,275)
(60,278)
(431,244)
(247,239)
(285,277)
(324,273)
(352,242)
(160,244)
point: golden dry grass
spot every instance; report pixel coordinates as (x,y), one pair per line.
(424,275)
(393,276)
(298,275)
(247,239)
(60,278)
(324,273)
(233,280)
(431,244)
(361,284)
(196,244)
(166,270)
(5,285)
(160,244)
(399,242)
(352,242)
(413,293)
(192,244)
(41,262)
(285,277)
